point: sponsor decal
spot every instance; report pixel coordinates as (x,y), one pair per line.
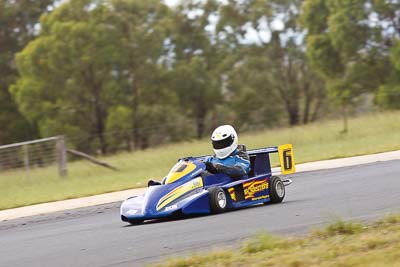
(253,187)
(262,197)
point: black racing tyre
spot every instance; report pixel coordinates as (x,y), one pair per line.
(218,200)
(276,189)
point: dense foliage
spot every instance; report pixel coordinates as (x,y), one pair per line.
(128,74)
(17,21)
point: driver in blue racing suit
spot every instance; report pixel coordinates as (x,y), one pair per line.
(229,158)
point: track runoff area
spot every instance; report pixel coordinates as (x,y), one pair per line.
(122,195)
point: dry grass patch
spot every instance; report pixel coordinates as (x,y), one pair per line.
(339,244)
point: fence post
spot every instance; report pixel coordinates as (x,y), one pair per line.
(61,156)
(26,159)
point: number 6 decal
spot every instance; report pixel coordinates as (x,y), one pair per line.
(286,159)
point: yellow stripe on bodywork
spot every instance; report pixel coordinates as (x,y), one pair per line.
(232,193)
(286,158)
(179,191)
(174,175)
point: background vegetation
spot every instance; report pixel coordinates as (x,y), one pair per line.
(131,74)
(317,141)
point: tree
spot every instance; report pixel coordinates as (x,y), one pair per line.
(119,127)
(196,61)
(388,35)
(388,94)
(143,26)
(94,61)
(276,54)
(17,27)
(67,83)
(347,47)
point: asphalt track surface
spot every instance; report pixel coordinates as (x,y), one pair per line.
(96,237)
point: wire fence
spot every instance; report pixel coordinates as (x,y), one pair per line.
(33,154)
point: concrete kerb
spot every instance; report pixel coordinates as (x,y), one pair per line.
(121,195)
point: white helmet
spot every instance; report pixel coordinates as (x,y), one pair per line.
(224,140)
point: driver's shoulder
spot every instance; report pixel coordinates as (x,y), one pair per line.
(241,153)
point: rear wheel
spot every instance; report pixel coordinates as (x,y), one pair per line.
(276,189)
(218,201)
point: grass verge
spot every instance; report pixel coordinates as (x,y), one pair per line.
(340,244)
(368,134)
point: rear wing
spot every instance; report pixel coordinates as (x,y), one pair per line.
(261,164)
(259,159)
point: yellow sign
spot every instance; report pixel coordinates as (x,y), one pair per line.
(286,159)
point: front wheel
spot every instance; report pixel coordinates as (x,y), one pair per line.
(218,201)
(276,189)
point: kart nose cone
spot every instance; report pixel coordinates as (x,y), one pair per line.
(132,207)
(144,207)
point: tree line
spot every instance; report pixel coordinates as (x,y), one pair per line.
(131,74)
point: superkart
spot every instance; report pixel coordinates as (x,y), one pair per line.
(188,189)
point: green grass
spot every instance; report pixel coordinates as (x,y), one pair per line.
(368,134)
(339,244)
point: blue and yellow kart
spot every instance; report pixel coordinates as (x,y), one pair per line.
(188,189)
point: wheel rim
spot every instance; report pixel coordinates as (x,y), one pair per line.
(280,189)
(221,199)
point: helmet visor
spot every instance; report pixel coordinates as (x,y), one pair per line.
(220,144)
